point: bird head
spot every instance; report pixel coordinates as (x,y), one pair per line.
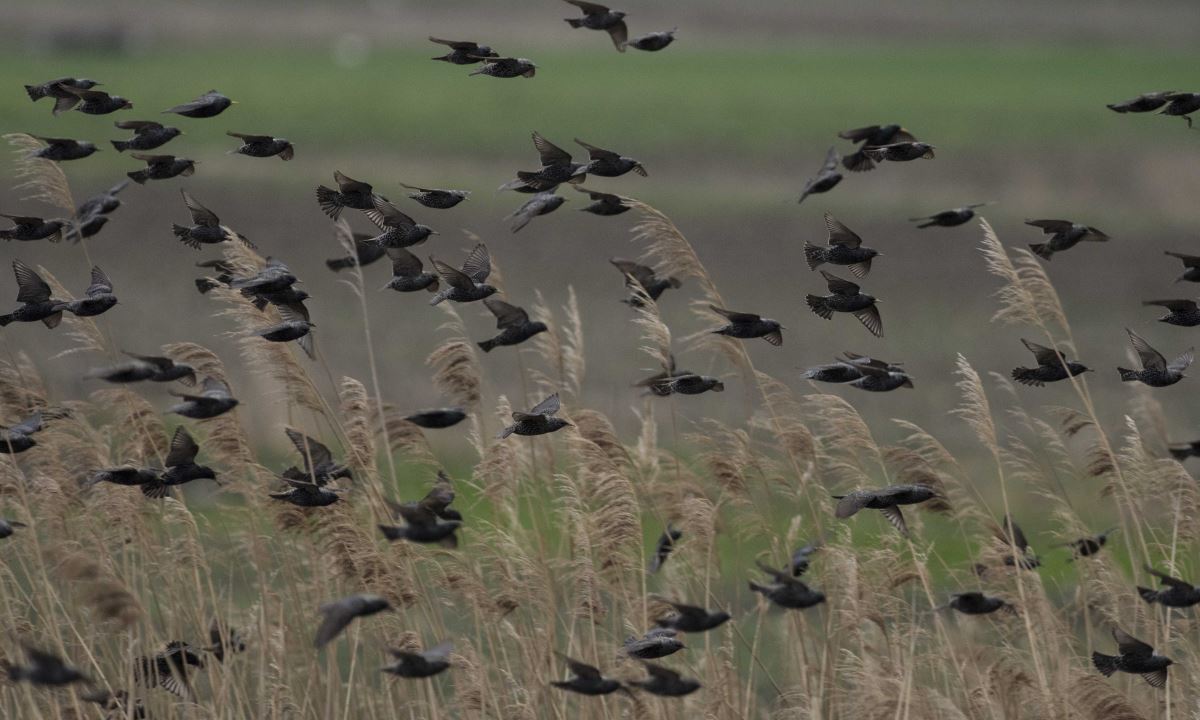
(125,104)
(538,326)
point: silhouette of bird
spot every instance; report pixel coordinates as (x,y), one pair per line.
(786,591)
(691,618)
(845,248)
(127,475)
(210,104)
(397,229)
(1182,312)
(603,204)
(899,152)
(507,67)
(59,89)
(437,419)
(825,179)
(34,295)
(877,376)
(687,384)
(1090,545)
(364,251)
(293,325)
(146,367)
(44,668)
(408,273)
(351,193)
(656,383)
(420,664)
(115,704)
(606,163)
(653,42)
(514,325)
(645,277)
(599,17)
(7,527)
(181,467)
(657,643)
(538,421)
(1182,104)
(1183,451)
(63,149)
(557,167)
(223,639)
(848,369)
(586,679)
(1136,657)
(15,439)
(1017,552)
(976,603)
(845,296)
(340,613)
(1146,102)
(466,285)
(886,500)
(319,465)
(263,146)
(948,218)
(303,492)
(1191,264)
(1051,366)
(102,203)
(663,547)
(435,198)
(214,399)
(97,299)
(665,682)
(29,229)
(275,276)
(1065,235)
(96,102)
(745,326)
(802,558)
(147,135)
(424,523)
(872,136)
(1176,594)
(463,52)
(206,228)
(542,203)
(1156,371)
(168,669)
(87,227)
(161,167)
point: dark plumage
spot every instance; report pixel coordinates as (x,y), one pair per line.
(826,178)
(467,284)
(437,419)
(1183,451)
(420,664)
(263,146)
(886,500)
(340,613)
(802,558)
(27,228)
(1052,366)
(63,149)
(1176,593)
(351,193)
(426,521)
(507,67)
(542,203)
(7,527)
(599,17)
(691,618)
(436,198)
(1146,102)
(102,203)
(847,297)
(656,643)
(687,384)
(514,325)
(97,298)
(1156,371)
(786,591)
(852,367)
(60,90)
(878,376)
(408,273)
(663,547)
(606,163)
(303,492)
(653,42)
(161,167)
(557,167)
(146,367)
(976,603)
(206,228)
(44,668)
(1064,236)
(210,104)
(18,438)
(147,135)
(665,682)
(538,421)
(1182,104)
(745,326)
(1180,312)
(214,399)
(318,462)
(96,102)
(168,669)
(1191,264)
(658,383)
(463,52)
(293,325)
(362,252)
(603,204)
(948,218)
(1135,657)
(872,136)
(645,277)
(274,276)
(1090,545)
(845,248)
(586,679)
(181,467)
(1017,552)
(899,152)
(397,229)
(34,295)
(223,640)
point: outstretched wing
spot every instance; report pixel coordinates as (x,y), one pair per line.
(478,264)
(1151,358)
(31,288)
(549,406)
(200,214)
(506,315)
(183,448)
(551,154)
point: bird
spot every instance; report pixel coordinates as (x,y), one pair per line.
(1052,366)
(97,299)
(161,167)
(886,500)
(513,323)
(653,42)
(606,163)
(845,248)
(538,421)
(687,384)
(16,439)
(746,326)
(7,527)
(463,52)
(1183,313)
(168,668)
(656,384)
(181,467)
(691,618)
(364,251)
(848,368)
(210,104)
(1090,545)
(206,228)
(424,524)
(340,613)
(1176,594)
(146,367)
(826,178)
(275,276)
(467,284)
(420,664)
(846,296)
(263,146)
(58,89)
(802,558)
(976,603)
(663,547)
(585,679)
(872,136)
(665,682)
(319,465)
(436,198)
(599,17)
(1182,104)
(102,203)
(223,639)
(506,67)
(786,591)
(214,399)
(878,376)
(126,475)
(351,193)
(1156,371)
(1146,102)
(542,203)
(899,152)
(293,325)
(96,102)
(27,228)
(1017,552)
(147,135)
(645,277)
(44,668)
(557,167)
(948,218)
(397,229)
(35,297)
(603,204)
(408,273)
(1183,451)
(1065,235)
(1136,657)
(437,419)
(303,492)
(1191,264)
(83,228)
(63,149)
(656,643)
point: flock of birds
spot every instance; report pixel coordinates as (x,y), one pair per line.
(431,519)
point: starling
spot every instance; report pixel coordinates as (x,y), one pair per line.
(657,384)
(15,439)
(845,248)
(6,527)
(34,295)
(687,384)
(397,228)
(1017,552)
(463,52)
(899,152)
(1066,235)
(603,204)
(826,178)
(181,467)
(29,229)
(319,465)
(976,603)
(96,102)
(1181,312)
(665,682)
(886,500)
(845,297)
(653,42)
(849,369)
(598,17)
(86,227)
(365,251)
(168,669)
(44,669)
(263,146)
(147,367)
(585,679)
(420,664)
(538,421)
(880,377)
(161,167)
(1090,545)
(1183,451)
(638,275)
(435,504)
(223,639)
(466,285)
(802,558)
(1136,657)
(147,135)
(513,323)
(127,475)
(97,299)
(542,203)
(62,149)
(206,228)
(339,613)
(664,547)
(606,163)
(408,273)
(293,325)
(1176,594)
(557,168)
(1155,372)
(657,643)
(1051,366)
(305,493)
(351,193)
(437,419)
(210,104)
(59,89)
(746,326)
(1182,105)
(786,591)
(948,218)
(423,523)
(507,67)
(274,277)
(1191,264)
(101,203)
(214,399)
(436,198)
(872,136)
(690,618)
(1146,102)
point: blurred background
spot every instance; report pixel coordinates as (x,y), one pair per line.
(730,121)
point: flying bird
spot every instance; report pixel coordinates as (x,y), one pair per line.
(146,367)
(657,643)
(27,228)
(645,277)
(786,591)
(59,89)
(603,204)
(585,679)
(44,668)
(1017,552)
(538,421)
(214,399)
(849,368)
(542,203)
(1180,312)
(665,682)
(1176,593)
(1191,264)
(420,664)
(96,102)
(425,523)
(1090,545)
(948,218)
(340,613)
(223,639)
(7,527)
(147,135)
(872,136)
(161,167)
(826,178)
(1146,102)
(34,295)
(303,492)
(463,52)
(606,163)
(663,547)
(899,152)
(1136,657)
(437,419)
(1182,104)
(847,297)
(691,618)
(364,251)
(1052,366)
(879,376)
(263,146)
(1156,371)
(319,465)
(467,284)
(687,384)
(845,248)
(656,383)
(976,603)
(507,67)
(599,17)
(97,299)
(802,558)
(168,669)
(210,104)
(1064,236)
(886,500)
(181,467)
(102,203)
(408,273)
(436,198)
(397,229)
(745,326)
(514,325)
(63,149)
(206,228)
(351,193)
(557,167)
(293,325)
(15,439)
(653,42)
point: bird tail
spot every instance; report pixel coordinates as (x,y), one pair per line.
(814,254)
(928,223)
(327,198)
(180,231)
(155,490)
(35,93)
(858,162)
(1026,376)
(1106,664)
(1147,594)
(575,22)
(391,532)
(120,145)
(1127,375)
(139,176)
(6,319)
(819,305)
(342,263)
(487,345)
(1041,250)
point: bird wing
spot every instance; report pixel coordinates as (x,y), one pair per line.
(1183,362)
(1168,580)
(386,215)
(200,214)
(832,158)
(441,651)
(838,286)
(312,451)
(1188,260)
(1043,354)
(903,135)
(589,8)
(852,502)
(350,185)
(839,234)
(453,276)
(162,363)
(193,105)
(31,288)
(337,616)
(551,153)
(896,518)
(55,140)
(859,134)
(213,387)
(404,263)
(100,283)
(870,319)
(478,264)
(1011,533)
(580,669)
(440,495)
(464,45)
(596,153)
(138,126)
(1129,645)
(549,406)
(660,671)
(607,198)
(1156,679)
(619,32)
(415,513)
(641,273)
(1174,305)
(250,138)
(1094,235)
(735,317)
(506,315)
(1151,358)
(1051,227)
(183,448)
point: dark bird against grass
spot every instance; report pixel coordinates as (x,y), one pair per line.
(161,167)
(585,679)
(1016,552)
(146,367)
(437,419)
(900,152)
(97,102)
(1065,235)
(802,558)
(397,229)
(1176,593)
(59,89)
(102,203)
(746,326)
(663,547)
(63,149)
(845,248)
(206,228)
(848,369)
(181,467)
(44,668)
(302,492)
(976,603)
(826,178)
(599,17)
(97,299)
(653,42)
(645,277)
(351,193)
(1191,264)
(1183,451)
(507,67)
(27,228)
(468,284)
(210,104)
(214,399)
(656,383)
(691,618)
(603,204)
(147,135)
(1090,545)
(1156,371)
(1146,102)
(436,198)
(223,640)
(168,669)
(1136,657)
(1051,366)
(319,465)
(665,682)
(293,325)
(687,384)
(463,52)
(424,522)
(538,421)
(886,500)
(786,591)
(542,203)
(606,163)
(420,664)
(34,295)
(7,527)
(872,136)
(557,167)
(656,643)
(275,276)
(846,297)
(948,218)
(263,146)
(340,613)
(514,325)
(1182,104)
(15,439)
(1181,312)
(408,273)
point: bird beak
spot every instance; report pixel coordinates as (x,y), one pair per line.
(234,102)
